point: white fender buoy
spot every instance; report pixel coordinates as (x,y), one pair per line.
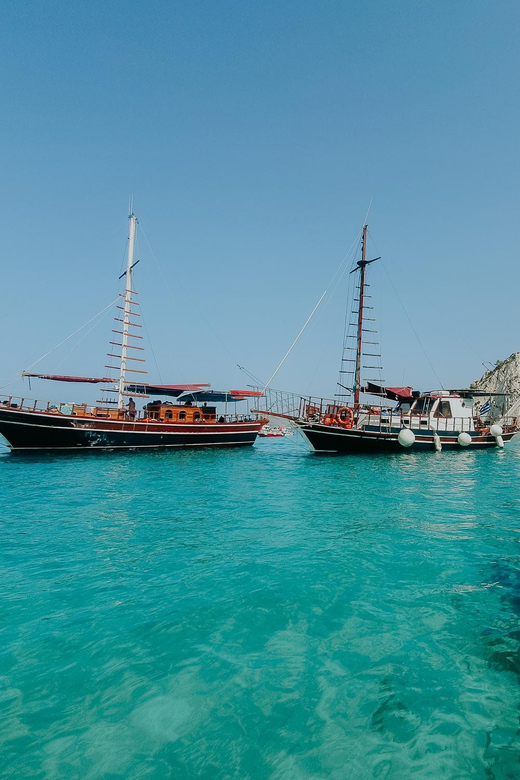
(496,431)
(406,437)
(437,442)
(464,439)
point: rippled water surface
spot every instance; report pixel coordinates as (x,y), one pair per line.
(260,613)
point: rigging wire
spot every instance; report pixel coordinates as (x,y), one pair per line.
(194,303)
(177,366)
(112,303)
(413,328)
(351,332)
(459,334)
(346,322)
(78,342)
(19,374)
(368,212)
(340,270)
(410,322)
(280,364)
(259,382)
(151,347)
(12,310)
(352,250)
(138,254)
(118,228)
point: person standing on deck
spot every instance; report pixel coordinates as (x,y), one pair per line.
(131,408)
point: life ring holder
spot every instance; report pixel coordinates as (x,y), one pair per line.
(345,417)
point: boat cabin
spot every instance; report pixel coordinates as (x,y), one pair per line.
(440,410)
(165,411)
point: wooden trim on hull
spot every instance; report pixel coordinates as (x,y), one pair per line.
(27,431)
(326,440)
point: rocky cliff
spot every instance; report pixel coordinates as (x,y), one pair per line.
(504,378)
(504,382)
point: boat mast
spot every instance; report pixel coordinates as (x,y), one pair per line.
(362,264)
(126,310)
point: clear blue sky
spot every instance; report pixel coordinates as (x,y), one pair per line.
(253,136)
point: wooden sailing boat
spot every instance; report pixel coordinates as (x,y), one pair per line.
(192,420)
(436,420)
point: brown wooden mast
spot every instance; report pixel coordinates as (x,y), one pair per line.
(362,264)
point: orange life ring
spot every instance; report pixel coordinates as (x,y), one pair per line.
(328,420)
(345,417)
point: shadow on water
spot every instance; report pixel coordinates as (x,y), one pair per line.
(137,458)
(44,456)
(502,640)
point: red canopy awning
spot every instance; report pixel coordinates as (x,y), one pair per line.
(394,393)
(247,393)
(402,392)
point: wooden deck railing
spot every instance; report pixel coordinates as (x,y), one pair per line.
(35,406)
(382,417)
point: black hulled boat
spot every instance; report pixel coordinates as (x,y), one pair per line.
(441,419)
(191,419)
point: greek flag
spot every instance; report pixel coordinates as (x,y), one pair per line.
(484,409)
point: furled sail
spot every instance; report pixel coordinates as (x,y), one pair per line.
(93,380)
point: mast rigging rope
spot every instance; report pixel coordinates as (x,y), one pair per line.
(340,270)
(112,303)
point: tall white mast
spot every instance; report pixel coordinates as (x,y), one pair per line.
(126,309)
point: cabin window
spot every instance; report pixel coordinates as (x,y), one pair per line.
(196,416)
(182,415)
(168,414)
(422,405)
(443,409)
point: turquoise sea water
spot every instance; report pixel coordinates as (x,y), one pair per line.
(260,613)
